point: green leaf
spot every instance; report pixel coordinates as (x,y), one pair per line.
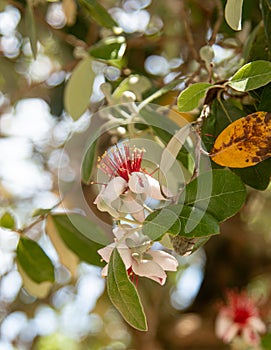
(138,84)
(190,222)
(110,48)
(266,341)
(256,47)
(190,97)
(266,14)
(99,13)
(7,220)
(233,14)
(251,76)
(79,88)
(75,231)
(34,261)
(227,196)
(88,162)
(123,293)
(31,27)
(257,176)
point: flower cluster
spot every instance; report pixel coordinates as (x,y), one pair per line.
(137,255)
(239,317)
(124,197)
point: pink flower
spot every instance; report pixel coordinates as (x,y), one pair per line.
(129,185)
(239,317)
(139,259)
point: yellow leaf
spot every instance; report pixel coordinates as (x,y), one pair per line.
(245,142)
(66,256)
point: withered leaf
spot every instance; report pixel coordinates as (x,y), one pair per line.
(245,142)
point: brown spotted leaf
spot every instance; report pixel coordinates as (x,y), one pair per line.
(245,142)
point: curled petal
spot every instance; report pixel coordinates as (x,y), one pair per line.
(106,251)
(138,182)
(222,326)
(257,324)
(149,269)
(126,256)
(165,260)
(250,336)
(153,190)
(114,189)
(105,271)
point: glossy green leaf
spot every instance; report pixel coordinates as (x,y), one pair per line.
(79,88)
(227,196)
(233,14)
(30,26)
(190,222)
(34,261)
(251,76)
(88,163)
(110,48)
(7,220)
(189,98)
(123,293)
(99,13)
(76,233)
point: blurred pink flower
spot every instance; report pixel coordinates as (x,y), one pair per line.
(239,317)
(139,259)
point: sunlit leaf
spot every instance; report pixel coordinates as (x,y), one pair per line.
(34,261)
(251,76)
(7,220)
(233,14)
(79,88)
(123,293)
(245,142)
(40,211)
(38,290)
(66,256)
(30,26)
(225,199)
(75,232)
(99,13)
(189,98)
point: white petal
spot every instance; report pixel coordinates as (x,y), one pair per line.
(130,203)
(149,269)
(222,325)
(257,324)
(126,256)
(165,260)
(250,336)
(120,231)
(139,216)
(105,271)
(138,182)
(106,251)
(114,189)
(231,333)
(153,189)
(103,206)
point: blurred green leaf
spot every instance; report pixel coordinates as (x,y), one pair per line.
(30,26)
(34,261)
(99,13)
(110,48)
(40,211)
(7,220)
(88,162)
(233,14)
(123,293)
(138,84)
(76,238)
(251,76)
(266,14)
(79,88)
(189,98)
